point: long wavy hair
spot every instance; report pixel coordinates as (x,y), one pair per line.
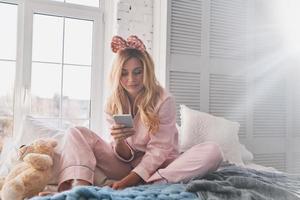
(146,99)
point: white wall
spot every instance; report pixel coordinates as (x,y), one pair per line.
(134,17)
(124,18)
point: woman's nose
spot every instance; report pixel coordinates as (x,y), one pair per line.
(131,77)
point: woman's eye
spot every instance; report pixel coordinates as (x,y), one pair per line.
(124,74)
(137,72)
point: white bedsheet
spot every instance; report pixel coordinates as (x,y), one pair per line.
(260,167)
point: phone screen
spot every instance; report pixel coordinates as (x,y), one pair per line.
(124,119)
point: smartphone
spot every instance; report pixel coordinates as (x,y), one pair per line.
(124,119)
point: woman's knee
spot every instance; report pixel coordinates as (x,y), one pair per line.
(79,133)
(81,129)
(214,153)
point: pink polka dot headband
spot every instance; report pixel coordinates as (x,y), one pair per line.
(118,43)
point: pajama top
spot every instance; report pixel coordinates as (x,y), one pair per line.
(161,147)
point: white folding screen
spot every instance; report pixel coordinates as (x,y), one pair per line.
(295,136)
(227,97)
(186,15)
(227,32)
(271,107)
(296,122)
(277,160)
(225,59)
(207,50)
(184,45)
(185,86)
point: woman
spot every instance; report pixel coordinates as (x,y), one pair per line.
(135,154)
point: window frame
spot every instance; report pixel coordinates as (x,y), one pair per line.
(15,3)
(26,11)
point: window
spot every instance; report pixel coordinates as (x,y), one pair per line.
(8,40)
(61,69)
(54,71)
(93,3)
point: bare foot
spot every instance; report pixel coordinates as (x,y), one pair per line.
(46,193)
(49,190)
(66,186)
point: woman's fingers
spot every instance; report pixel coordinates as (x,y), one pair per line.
(121,131)
(123,136)
(116,185)
(117,126)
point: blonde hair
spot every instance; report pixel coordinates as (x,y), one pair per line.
(148,96)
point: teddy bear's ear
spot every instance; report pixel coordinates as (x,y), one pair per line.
(21,152)
(53,142)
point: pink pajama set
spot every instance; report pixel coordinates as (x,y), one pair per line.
(155,157)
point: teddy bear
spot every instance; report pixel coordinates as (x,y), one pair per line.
(30,176)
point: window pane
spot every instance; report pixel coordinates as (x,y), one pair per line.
(45,89)
(56,123)
(8,33)
(7,77)
(78,42)
(47,38)
(61,95)
(75,122)
(94,3)
(6,128)
(76,92)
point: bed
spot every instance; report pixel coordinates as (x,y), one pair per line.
(229,182)
(241,179)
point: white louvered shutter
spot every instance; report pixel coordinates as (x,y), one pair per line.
(296,106)
(228,29)
(227,98)
(185,86)
(218,62)
(276,160)
(186,27)
(270,108)
(227,54)
(185,50)
(296,166)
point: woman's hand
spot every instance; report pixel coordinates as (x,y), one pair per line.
(119,132)
(131,179)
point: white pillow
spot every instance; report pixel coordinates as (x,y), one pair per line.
(33,128)
(8,156)
(247,156)
(197,127)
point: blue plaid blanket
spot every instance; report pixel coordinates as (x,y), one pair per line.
(143,192)
(228,183)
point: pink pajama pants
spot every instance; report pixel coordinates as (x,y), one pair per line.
(84,152)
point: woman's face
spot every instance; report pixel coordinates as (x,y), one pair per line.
(132,76)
